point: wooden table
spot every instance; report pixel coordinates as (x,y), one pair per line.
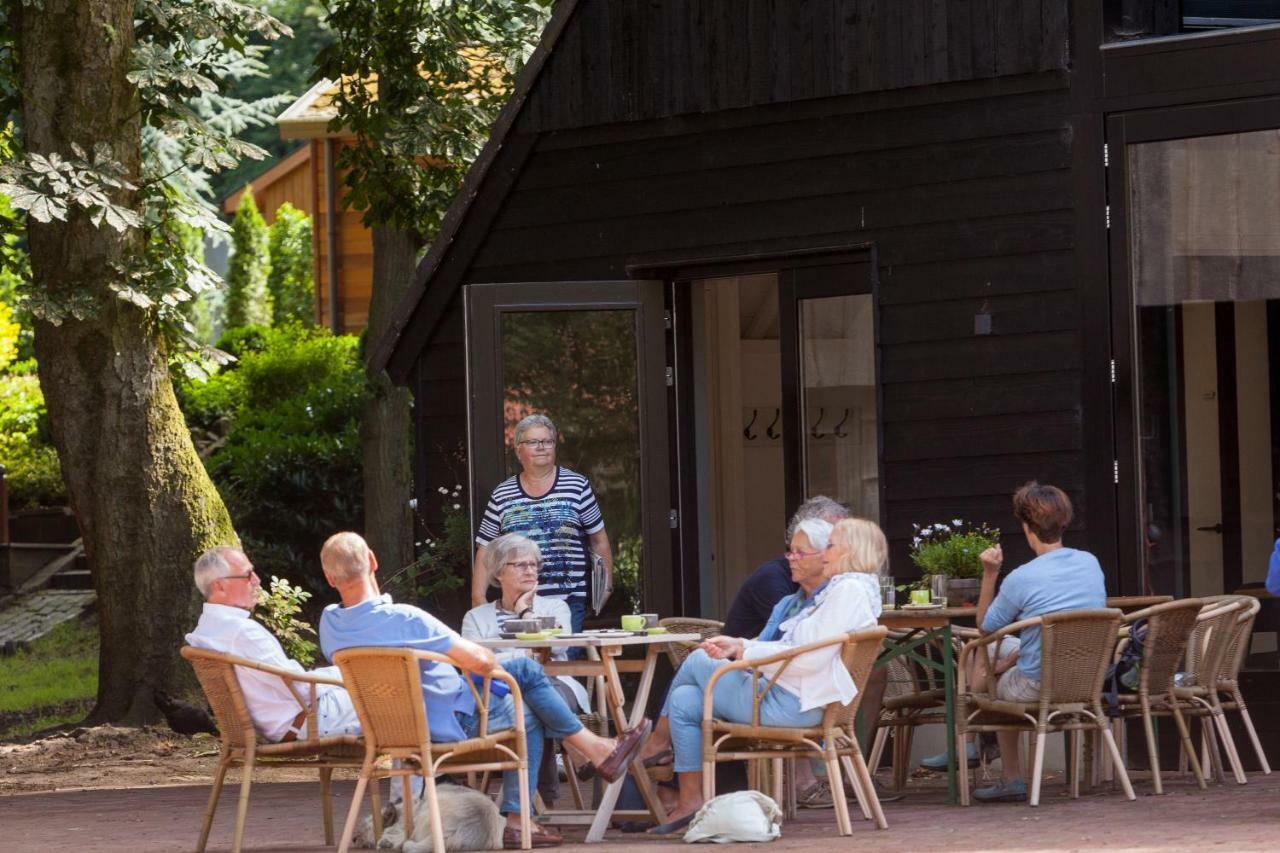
(605,663)
(931,627)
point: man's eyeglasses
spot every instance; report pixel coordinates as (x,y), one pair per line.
(249,574)
(539,443)
(522,566)
(800,555)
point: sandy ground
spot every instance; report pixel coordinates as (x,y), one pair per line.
(111,757)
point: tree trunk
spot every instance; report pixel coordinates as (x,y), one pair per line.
(145,504)
(386,426)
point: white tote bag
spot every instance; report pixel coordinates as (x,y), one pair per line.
(740,816)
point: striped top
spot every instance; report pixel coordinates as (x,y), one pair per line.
(559,522)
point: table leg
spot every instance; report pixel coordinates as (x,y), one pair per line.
(949,696)
(624,722)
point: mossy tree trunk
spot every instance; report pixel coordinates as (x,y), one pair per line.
(145,504)
(385,430)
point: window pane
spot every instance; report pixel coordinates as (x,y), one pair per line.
(838,376)
(1205,249)
(579,369)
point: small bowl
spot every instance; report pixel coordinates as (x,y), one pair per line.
(522,626)
(650,620)
(545,623)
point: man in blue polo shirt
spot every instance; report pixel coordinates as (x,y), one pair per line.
(1059,578)
(368,618)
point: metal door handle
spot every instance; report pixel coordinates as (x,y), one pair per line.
(1217,528)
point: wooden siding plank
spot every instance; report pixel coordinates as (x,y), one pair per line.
(1049,231)
(760,46)
(1010,315)
(1023,154)
(908,283)
(914,32)
(970,200)
(984,356)
(983,37)
(997,475)
(980,396)
(995,510)
(808,138)
(1030,432)
(959,39)
(936,47)
(783,27)
(1054,29)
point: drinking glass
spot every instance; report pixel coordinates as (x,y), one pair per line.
(938,590)
(888,593)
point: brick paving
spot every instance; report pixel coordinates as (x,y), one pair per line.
(286,817)
(30,617)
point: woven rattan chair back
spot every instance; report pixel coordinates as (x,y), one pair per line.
(1075,652)
(858,654)
(1238,648)
(217,677)
(704,628)
(1169,628)
(1215,635)
(380,682)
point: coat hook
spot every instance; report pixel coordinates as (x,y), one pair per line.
(746,430)
(837,431)
(777,413)
(813,431)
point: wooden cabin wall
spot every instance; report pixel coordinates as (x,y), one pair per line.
(964,189)
(355,251)
(626,60)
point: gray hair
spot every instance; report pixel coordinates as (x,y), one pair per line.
(212,565)
(506,546)
(528,422)
(344,556)
(818,506)
(818,531)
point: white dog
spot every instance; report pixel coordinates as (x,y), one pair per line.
(470,819)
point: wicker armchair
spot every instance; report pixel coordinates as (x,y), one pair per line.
(834,740)
(386,689)
(1229,672)
(1212,649)
(704,628)
(1075,651)
(1169,628)
(241,745)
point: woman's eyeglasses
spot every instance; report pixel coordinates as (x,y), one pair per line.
(522,566)
(800,555)
(539,443)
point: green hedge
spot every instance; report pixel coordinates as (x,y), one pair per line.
(289,468)
(26,449)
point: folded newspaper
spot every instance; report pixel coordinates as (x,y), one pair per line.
(599,584)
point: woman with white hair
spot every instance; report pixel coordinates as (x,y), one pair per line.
(837,569)
(554,507)
(512,564)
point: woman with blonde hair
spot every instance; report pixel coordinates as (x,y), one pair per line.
(837,569)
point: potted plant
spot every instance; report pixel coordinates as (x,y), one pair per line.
(951,549)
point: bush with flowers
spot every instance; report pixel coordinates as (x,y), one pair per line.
(951,548)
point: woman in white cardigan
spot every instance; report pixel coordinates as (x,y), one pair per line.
(513,562)
(837,569)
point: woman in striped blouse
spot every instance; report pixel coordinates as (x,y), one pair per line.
(554,507)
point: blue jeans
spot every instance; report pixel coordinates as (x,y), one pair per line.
(577,616)
(731,701)
(545,715)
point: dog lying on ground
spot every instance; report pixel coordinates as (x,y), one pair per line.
(469,818)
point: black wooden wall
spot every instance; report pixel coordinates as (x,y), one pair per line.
(626,60)
(964,186)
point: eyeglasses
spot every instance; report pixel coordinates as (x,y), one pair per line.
(252,573)
(523,566)
(800,555)
(539,443)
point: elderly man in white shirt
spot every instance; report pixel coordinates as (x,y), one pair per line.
(226,579)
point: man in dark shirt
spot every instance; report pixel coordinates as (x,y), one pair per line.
(771,582)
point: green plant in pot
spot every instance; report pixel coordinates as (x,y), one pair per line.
(951,549)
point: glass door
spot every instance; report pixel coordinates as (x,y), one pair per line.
(1198,245)
(590,356)
(831,397)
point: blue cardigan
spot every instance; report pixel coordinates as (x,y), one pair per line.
(1273,573)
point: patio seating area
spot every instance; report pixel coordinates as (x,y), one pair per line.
(284,818)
